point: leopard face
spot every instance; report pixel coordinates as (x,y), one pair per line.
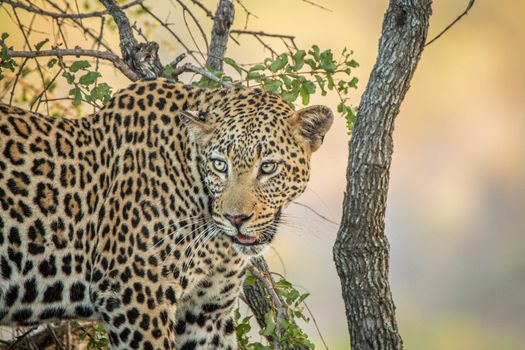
(254,163)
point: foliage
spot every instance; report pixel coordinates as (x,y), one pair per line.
(6,62)
(288,332)
(95,335)
(298,74)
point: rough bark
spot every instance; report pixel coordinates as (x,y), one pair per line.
(256,295)
(220,32)
(143,58)
(361,251)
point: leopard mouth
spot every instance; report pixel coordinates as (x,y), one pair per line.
(264,238)
(245,240)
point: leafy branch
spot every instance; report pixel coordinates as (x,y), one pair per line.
(295,75)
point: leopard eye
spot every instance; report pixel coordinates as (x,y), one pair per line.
(268,168)
(220,165)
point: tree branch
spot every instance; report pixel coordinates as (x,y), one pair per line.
(261,33)
(143,57)
(277,303)
(108,56)
(219,35)
(39,11)
(257,297)
(361,250)
(127,40)
(188,67)
(464,13)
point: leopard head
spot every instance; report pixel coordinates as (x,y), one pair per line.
(254,155)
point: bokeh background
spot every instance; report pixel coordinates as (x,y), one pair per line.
(456,207)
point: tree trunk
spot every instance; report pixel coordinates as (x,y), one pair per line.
(361,250)
(220,32)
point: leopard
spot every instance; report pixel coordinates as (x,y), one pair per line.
(144,215)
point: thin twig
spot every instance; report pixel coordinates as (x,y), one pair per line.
(39,11)
(317,5)
(167,26)
(55,338)
(469,6)
(316,325)
(188,67)
(20,338)
(85,30)
(39,68)
(261,33)
(204,8)
(315,212)
(46,87)
(195,20)
(247,12)
(16,80)
(108,56)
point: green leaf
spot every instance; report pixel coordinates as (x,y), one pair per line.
(321,82)
(311,63)
(233,64)
(302,298)
(305,95)
(279,63)
(250,280)
(314,51)
(331,83)
(78,65)
(69,77)
(5,36)
(272,85)
(352,63)
(52,62)
(77,95)
(168,70)
(254,75)
(326,61)
(287,81)
(89,78)
(102,92)
(298,59)
(257,67)
(40,44)
(269,328)
(353,83)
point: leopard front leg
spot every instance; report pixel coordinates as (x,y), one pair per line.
(206,329)
(138,316)
(205,319)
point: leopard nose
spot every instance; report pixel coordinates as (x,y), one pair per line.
(237,219)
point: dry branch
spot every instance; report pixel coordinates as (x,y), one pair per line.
(64,15)
(108,56)
(261,33)
(464,13)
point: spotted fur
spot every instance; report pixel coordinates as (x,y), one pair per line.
(144,214)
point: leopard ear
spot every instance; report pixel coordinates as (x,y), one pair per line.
(311,124)
(199,127)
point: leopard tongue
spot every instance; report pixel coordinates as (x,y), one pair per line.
(245,239)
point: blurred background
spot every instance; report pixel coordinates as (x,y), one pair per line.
(456,207)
